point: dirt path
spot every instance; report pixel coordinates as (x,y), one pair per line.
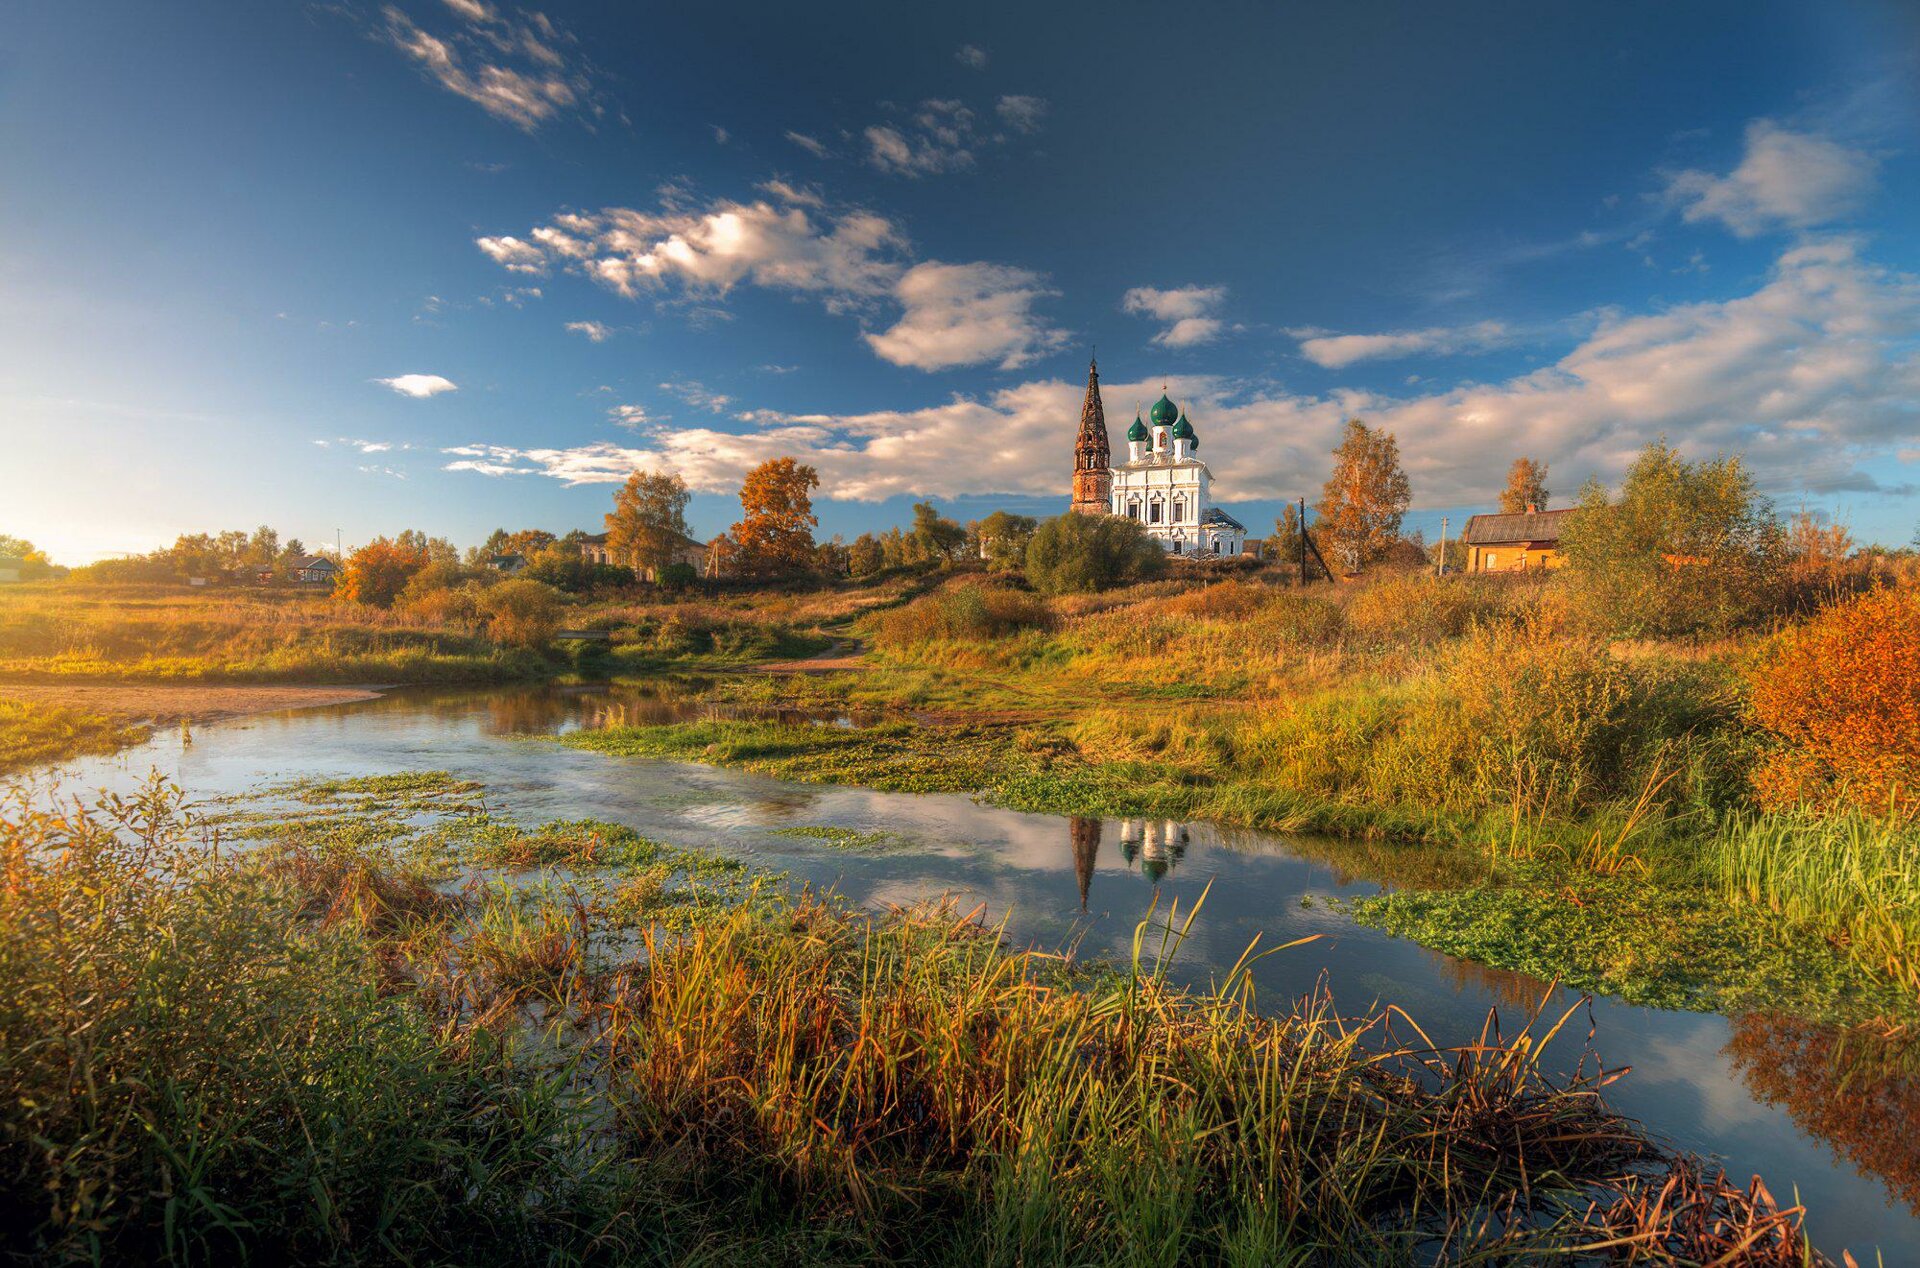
(151,703)
(844,654)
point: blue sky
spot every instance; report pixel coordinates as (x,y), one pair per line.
(454,264)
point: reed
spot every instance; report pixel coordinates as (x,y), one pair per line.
(1852,875)
(204,1058)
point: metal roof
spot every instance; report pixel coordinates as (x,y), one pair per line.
(1539,526)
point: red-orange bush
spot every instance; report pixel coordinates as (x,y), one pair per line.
(1841,695)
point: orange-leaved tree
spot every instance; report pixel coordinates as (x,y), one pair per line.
(775,532)
(1841,697)
(648,522)
(1526,487)
(1365,498)
(377,572)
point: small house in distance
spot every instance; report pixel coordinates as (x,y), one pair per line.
(687,551)
(1515,543)
(507,565)
(313,570)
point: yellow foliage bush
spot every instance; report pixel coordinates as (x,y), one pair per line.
(1840,696)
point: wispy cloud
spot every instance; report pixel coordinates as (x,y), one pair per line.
(1338,351)
(811,144)
(419,385)
(972,56)
(1189,313)
(1022,114)
(696,394)
(522,71)
(1785,180)
(598,332)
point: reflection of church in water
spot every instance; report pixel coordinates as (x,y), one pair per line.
(1155,844)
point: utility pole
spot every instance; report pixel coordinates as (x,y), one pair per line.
(339,551)
(1301,521)
(1443,548)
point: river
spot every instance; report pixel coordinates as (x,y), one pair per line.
(1835,1121)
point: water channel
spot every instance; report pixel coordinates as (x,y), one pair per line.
(1836,1121)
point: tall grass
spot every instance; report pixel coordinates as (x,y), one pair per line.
(317,1057)
(1852,875)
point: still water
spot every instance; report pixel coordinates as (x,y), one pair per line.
(1835,1119)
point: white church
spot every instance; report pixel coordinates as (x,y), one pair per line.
(1163,485)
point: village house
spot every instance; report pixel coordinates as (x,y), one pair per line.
(507,565)
(686,551)
(1515,542)
(313,570)
(9,568)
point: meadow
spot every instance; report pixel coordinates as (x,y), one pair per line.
(464,1039)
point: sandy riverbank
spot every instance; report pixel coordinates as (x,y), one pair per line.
(159,704)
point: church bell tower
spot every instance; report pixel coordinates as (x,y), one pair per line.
(1092,461)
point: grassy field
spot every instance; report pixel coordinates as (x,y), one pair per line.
(358,1043)
(59,631)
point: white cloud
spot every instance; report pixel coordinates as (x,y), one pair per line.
(851,260)
(1337,351)
(1022,114)
(720,135)
(418,385)
(1785,179)
(812,145)
(1188,312)
(635,416)
(1811,376)
(966,314)
(512,70)
(513,254)
(972,56)
(598,332)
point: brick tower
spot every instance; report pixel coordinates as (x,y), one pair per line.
(1092,462)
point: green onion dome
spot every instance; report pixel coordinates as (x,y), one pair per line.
(1163,412)
(1183,430)
(1138,431)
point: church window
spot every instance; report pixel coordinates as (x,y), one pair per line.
(1133,508)
(1153,511)
(1179,510)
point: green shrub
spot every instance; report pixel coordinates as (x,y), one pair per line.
(1084,553)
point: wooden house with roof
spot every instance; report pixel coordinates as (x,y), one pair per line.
(1515,542)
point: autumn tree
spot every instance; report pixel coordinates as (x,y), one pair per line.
(1365,498)
(32,561)
(936,538)
(833,558)
(775,532)
(376,573)
(864,556)
(648,521)
(1526,487)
